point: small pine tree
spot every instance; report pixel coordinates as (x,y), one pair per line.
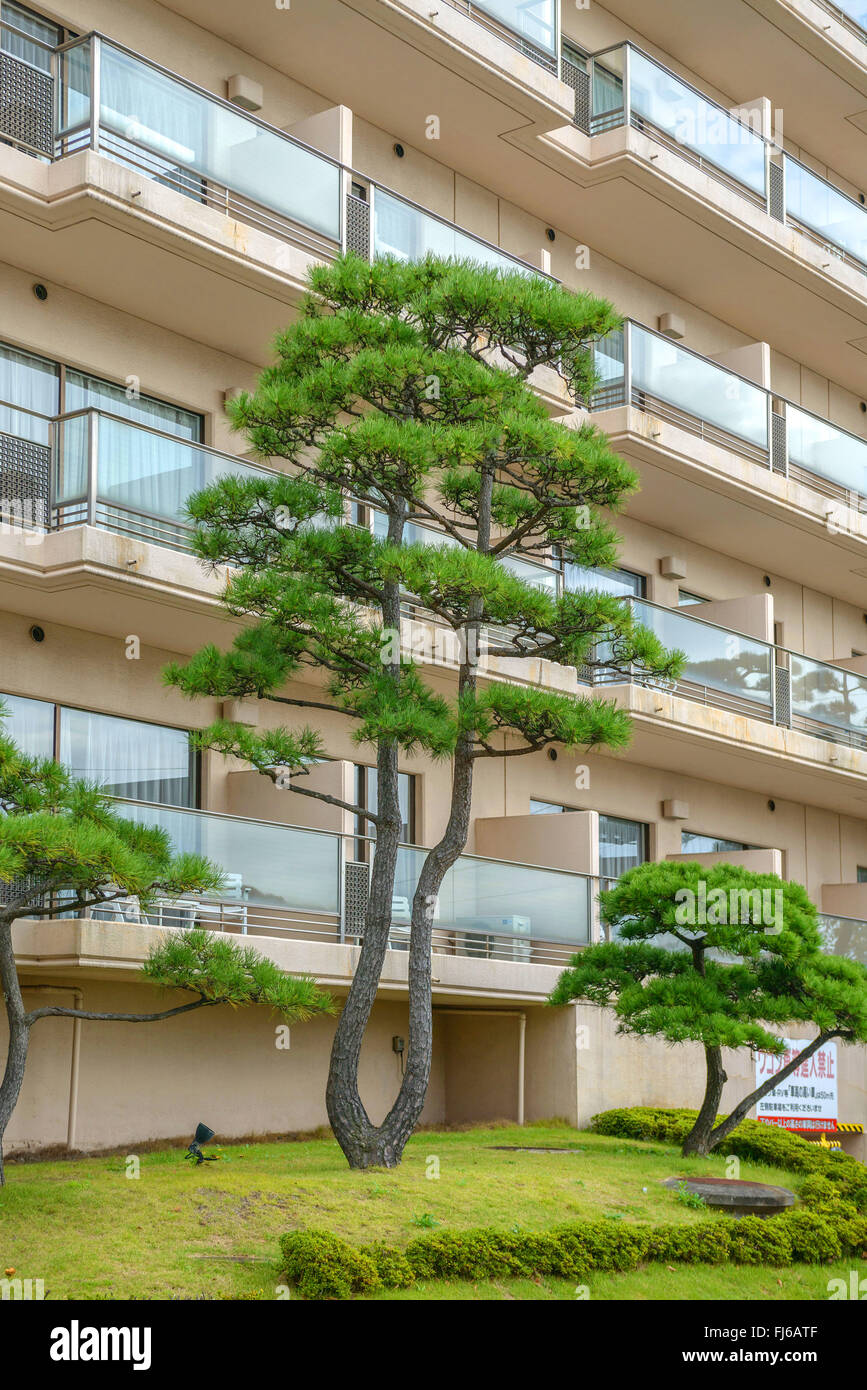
(406,389)
(752,958)
(63,847)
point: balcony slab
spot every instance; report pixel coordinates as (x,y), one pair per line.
(84,949)
(96,227)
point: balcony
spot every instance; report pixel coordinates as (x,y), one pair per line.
(648,371)
(852,13)
(748,677)
(807,56)
(228,212)
(693,426)
(530,26)
(844,936)
(624,86)
(92,468)
(286,881)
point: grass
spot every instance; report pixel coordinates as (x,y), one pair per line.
(91,1232)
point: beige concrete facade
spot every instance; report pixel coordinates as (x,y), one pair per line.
(147,283)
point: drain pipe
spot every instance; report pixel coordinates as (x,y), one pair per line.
(75,1054)
(521,1016)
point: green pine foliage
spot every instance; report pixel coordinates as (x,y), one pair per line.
(404,387)
(730,979)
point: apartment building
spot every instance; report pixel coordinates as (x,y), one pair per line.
(168,173)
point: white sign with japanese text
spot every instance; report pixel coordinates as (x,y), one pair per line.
(807,1098)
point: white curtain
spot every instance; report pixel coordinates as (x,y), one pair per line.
(142,762)
(621,845)
(30,723)
(29,23)
(31,382)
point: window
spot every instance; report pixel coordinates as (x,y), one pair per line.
(861,873)
(622,845)
(33,383)
(613,581)
(28,36)
(366,796)
(127,757)
(685,598)
(545,808)
(694,842)
(31,725)
(140,762)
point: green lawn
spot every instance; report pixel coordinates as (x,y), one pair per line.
(89,1231)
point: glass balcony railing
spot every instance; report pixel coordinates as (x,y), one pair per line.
(820,209)
(130,478)
(651,372)
(624,86)
(745,675)
(853,14)
(111,100)
(532,26)
(409,233)
(727,669)
(844,936)
(286,880)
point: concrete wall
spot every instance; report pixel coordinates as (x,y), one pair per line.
(156,1081)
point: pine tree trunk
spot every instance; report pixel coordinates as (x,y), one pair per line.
(364,1144)
(19,1036)
(360,1140)
(698,1141)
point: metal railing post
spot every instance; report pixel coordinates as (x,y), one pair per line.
(341,887)
(627,84)
(371,202)
(95,83)
(627,363)
(92,465)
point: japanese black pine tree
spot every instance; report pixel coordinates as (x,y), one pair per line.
(406,390)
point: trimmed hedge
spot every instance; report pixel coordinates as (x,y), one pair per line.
(322,1265)
(778,1148)
(827,1225)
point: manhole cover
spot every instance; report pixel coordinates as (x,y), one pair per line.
(737,1196)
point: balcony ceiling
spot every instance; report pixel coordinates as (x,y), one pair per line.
(755,48)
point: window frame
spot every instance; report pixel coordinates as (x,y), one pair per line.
(58,707)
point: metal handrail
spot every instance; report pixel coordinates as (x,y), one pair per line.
(199,90)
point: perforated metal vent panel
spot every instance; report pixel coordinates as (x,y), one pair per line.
(356,890)
(358,226)
(779,445)
(25,473)
(784,695)
(579,80)
(26,105)
(777,192)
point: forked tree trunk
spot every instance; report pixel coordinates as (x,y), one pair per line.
(698,1141)
(703,1137)
(364,1144)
